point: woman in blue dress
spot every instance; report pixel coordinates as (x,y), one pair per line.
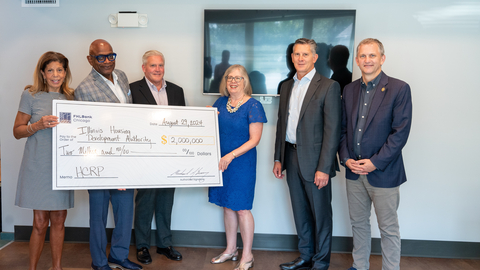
(34,187)
(241,119)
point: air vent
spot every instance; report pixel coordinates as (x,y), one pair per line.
(40,3)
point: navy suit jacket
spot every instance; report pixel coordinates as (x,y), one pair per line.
(141,93)
(385,133)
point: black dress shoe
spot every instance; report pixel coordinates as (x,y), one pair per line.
(143,256)
(297,264)
(170,252)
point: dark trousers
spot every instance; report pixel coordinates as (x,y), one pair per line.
(122,205)
(148,202)
(312,211)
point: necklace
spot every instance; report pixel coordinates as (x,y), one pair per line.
(234,109)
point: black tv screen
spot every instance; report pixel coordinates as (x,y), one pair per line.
(261,41)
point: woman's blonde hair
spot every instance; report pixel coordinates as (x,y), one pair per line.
(39,83)
(247,87)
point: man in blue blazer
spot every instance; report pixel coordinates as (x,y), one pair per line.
(154,90)
(377,115)
(107,84)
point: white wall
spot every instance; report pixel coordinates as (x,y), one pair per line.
(431,44)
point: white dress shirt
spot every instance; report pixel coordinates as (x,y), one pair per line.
(115,87)
(296,101)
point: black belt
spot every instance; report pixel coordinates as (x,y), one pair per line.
(292,145)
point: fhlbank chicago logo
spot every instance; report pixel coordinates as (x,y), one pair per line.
(82,118)
(65,117)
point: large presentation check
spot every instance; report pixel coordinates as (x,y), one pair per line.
(110,145)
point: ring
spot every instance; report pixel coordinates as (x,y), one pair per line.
(49,123)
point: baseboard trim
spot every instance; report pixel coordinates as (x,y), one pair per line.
(283,242)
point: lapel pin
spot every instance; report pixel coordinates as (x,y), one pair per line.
(383,89)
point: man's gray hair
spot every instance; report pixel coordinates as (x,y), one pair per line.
(311,42)
(370,41)
(152,53)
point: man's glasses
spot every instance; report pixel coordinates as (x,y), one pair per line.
(101,58)
(236,79)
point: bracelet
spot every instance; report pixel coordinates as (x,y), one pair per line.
(31,128)
(234,156)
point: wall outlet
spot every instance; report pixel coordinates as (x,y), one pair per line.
(265,100)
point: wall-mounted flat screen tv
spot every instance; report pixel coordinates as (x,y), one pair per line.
(261,41)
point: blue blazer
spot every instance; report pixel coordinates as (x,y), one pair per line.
(385,133)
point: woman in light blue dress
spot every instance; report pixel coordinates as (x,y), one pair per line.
(34,188)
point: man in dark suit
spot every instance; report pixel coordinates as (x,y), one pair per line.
(377,115)
(307,138)
(153,89)
(107,84)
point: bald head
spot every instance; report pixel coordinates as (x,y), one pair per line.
(101,47)
(98,45)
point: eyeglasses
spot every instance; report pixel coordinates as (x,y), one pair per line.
(230,78)
(101,58)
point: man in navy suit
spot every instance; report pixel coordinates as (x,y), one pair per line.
(377,115)
(107,84)
(154,90)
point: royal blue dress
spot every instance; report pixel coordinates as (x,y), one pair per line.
(239,178)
